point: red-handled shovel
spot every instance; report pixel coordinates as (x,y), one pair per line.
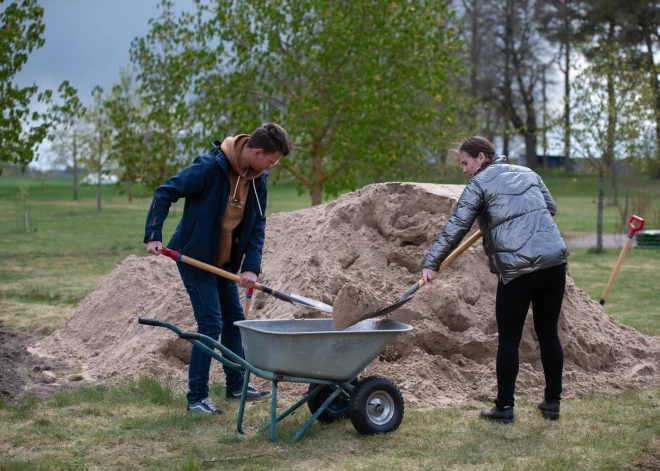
(291,298)
(626,246)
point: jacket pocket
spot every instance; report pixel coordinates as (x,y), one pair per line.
(189,237)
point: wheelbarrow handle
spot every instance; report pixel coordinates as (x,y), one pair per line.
(148,321)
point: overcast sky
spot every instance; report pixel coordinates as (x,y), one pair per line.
(87,41)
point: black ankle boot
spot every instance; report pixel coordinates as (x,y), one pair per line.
(549,410)
(501,415)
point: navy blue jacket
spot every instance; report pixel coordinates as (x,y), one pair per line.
(205,186)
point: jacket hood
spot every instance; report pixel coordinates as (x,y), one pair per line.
(232,147)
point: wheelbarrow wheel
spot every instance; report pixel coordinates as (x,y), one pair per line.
(337,410)
(376,406)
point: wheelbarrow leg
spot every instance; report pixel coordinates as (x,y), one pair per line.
(273,412)
(241,408)
(316,414)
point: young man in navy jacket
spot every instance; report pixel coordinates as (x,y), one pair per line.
(223,224)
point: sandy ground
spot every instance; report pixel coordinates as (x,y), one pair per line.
(376,236)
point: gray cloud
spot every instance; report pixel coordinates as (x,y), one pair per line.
(87,41)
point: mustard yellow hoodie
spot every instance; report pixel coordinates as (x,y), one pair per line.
(240,188)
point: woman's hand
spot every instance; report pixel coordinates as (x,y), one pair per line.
(429,275)
(248,279)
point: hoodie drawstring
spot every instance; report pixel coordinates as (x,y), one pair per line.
(254,185)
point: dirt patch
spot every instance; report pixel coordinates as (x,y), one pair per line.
(354,302)
(376,236)
(22,372)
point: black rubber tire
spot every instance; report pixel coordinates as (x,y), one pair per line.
(337,410)
(376,406)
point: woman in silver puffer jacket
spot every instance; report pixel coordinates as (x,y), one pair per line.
(514,210)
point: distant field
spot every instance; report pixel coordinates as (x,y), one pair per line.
(70,248)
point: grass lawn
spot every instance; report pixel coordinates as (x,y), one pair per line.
(69,248)
(143,425)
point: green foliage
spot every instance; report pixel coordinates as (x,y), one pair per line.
(21,31)
(166,67)
(356,85)
(127,116)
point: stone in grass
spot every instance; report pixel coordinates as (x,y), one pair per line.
(353,303)
(48,377)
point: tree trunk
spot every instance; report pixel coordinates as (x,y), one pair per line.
(98,194)
(624,216)
(655,88)
(475,48)
(545,132)
(75,167)
(317,173)
(609,157)
(129,190)
(530,150)
(568,166)
(599,217)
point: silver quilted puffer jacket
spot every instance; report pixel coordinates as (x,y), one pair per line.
(514,210)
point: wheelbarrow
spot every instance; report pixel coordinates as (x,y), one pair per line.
(311,351)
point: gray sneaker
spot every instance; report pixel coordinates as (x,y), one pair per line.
(253,394)
(205,406)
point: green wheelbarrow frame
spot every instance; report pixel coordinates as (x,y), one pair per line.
(230,359)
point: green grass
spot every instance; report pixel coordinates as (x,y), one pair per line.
(633,299)
(143,425)
(70,248)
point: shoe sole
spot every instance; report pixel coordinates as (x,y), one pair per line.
(502,421)
(549,415)
(199,412)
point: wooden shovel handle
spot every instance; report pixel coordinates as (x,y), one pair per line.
(633,228)
(460,249)
(452,256)
(205,266)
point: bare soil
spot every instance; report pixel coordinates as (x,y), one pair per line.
(376,236)
(22,372)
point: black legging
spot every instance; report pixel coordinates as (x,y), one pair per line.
(544,289)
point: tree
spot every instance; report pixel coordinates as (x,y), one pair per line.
(519,50)
(558,22)
(641,22)
(128,118)
(165,62)
(98,141)
(21,131)
(356,85)
(68,136)
(608,118)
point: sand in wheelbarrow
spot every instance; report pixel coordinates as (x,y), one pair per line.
(354,301)
(377,236)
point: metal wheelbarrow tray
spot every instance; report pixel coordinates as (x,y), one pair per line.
(311,351)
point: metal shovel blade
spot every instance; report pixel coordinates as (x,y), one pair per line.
(387,309)
(394,306)
(309,302)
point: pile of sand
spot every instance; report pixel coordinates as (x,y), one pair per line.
(375,237)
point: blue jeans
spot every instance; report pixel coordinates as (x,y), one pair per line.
(216,305)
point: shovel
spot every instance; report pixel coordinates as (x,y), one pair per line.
(290,298)
(413,289)
(631,233)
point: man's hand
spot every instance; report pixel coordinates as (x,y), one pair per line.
(429,275)
(248,279)
(154,247)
